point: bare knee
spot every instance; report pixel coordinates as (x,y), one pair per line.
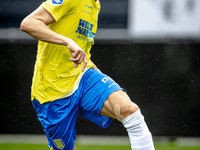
(124,111)
(128,109)
(118,106)
(125,108)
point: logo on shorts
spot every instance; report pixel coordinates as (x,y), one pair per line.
(58,2)
(58,143)
(104,80)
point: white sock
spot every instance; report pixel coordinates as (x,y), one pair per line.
(139,134)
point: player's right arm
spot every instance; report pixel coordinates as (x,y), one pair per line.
(35,25)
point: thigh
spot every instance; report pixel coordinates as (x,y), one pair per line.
(97,88)
(118,106)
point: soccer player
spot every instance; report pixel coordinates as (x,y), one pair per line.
(65,79)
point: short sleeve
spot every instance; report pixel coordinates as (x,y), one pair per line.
(60,8)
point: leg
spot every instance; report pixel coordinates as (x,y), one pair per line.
(119,106)
(103,96)
(60,123)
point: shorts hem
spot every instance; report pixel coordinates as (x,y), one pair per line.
(105,96)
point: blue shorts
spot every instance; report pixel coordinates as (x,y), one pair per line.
(58,118)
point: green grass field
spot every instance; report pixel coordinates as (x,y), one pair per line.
(87,147)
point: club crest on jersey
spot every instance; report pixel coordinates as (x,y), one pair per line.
(59,143)
(57,2)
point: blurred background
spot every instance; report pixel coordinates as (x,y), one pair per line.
(150,47)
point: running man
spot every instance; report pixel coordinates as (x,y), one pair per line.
(65,79)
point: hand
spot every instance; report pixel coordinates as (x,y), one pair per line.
(78,55)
